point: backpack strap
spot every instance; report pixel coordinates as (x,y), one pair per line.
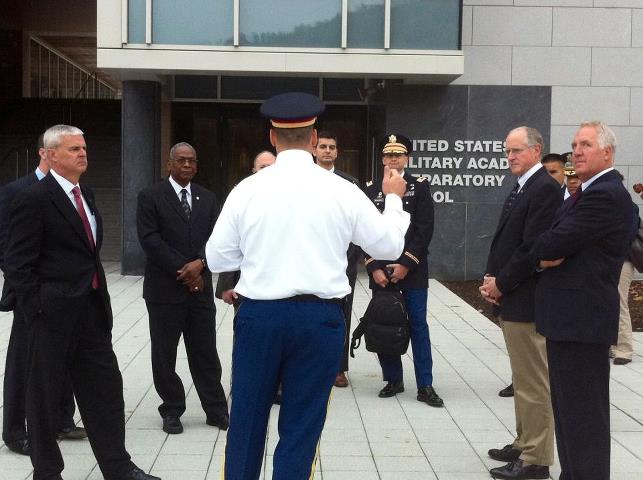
(358,333)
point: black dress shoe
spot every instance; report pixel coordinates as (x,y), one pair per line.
(519,471)
(505,454)
(136,474)
(391,389)
(74,433)
(622,361)
(172,425)
(508,391)
(20,447)
(430,397)
(221,421)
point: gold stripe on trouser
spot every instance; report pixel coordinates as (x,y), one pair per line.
(312,467)
(532,401)
(624,347)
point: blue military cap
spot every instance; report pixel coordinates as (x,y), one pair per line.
(292,110)
(395,143)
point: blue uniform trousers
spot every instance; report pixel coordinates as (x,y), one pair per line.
(415,299)
(298,344)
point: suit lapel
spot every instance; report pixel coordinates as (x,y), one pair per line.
(505,215)
(172,198)
(91,203)
(196,203)
(62,202)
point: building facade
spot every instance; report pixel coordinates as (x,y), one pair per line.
(452,75)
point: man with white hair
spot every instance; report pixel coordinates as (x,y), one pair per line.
(577,302)
(53,263)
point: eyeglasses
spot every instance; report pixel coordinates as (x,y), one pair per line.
(515,151)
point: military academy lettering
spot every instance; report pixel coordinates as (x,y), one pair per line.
(458,163)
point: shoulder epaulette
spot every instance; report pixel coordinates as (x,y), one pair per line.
(421,179)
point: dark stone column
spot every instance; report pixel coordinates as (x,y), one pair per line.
(141,149)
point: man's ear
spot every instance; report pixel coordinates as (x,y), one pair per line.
(313,138)
(273,140)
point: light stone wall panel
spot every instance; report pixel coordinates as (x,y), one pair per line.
(488,2)
(485,65)
(572,105)
(528,26)
(617,67)
(636,106)
(553,3)
(467,25)
(637,28)
(589,27)
(561,138)
(619,3)
(551,66)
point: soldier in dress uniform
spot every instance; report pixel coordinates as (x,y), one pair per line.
(289,238)
(409,273)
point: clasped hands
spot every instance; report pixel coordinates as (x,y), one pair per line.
(190,275)
(492,294)
(397,272)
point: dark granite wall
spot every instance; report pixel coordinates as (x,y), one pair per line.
(465,216)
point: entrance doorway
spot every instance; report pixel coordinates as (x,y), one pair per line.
(227,136)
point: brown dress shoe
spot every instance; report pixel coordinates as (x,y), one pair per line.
(341,381)
(519,471)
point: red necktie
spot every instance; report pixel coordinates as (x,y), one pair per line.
(88,229)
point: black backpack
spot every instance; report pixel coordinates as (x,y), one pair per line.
(385,325)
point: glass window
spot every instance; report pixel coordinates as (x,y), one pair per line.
(343,89)
(195,86)
(425,24)
(291,23)
(136,21)
(260,88)
(366,23)
(192,22)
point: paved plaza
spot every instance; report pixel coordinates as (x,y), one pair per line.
(365,437)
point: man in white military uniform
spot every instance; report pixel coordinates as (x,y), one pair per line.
(287,228)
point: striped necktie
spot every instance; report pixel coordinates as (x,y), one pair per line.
(512,197)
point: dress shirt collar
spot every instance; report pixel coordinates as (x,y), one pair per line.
(66,185)
(528,174)
(585,185)
(177,188)
(293,158)
(40,174)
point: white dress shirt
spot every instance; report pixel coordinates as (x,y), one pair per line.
(177,188)
(585,185)
(287,228)
(528,174)
(67,186)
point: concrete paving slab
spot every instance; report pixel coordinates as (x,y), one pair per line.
(365,437)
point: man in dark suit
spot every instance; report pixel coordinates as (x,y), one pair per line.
(14,433)
(409,273)
(325,154)
(227,280)
(577,302)
(174,220)
(509,284)
(52,262)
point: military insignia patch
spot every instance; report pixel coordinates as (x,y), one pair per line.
(369,183)
(421,179)
(392,139)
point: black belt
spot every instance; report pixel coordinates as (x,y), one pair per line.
(304,298)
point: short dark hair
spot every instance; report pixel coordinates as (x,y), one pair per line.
(294,136)
(41,140)
(553,157)
(327,134)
